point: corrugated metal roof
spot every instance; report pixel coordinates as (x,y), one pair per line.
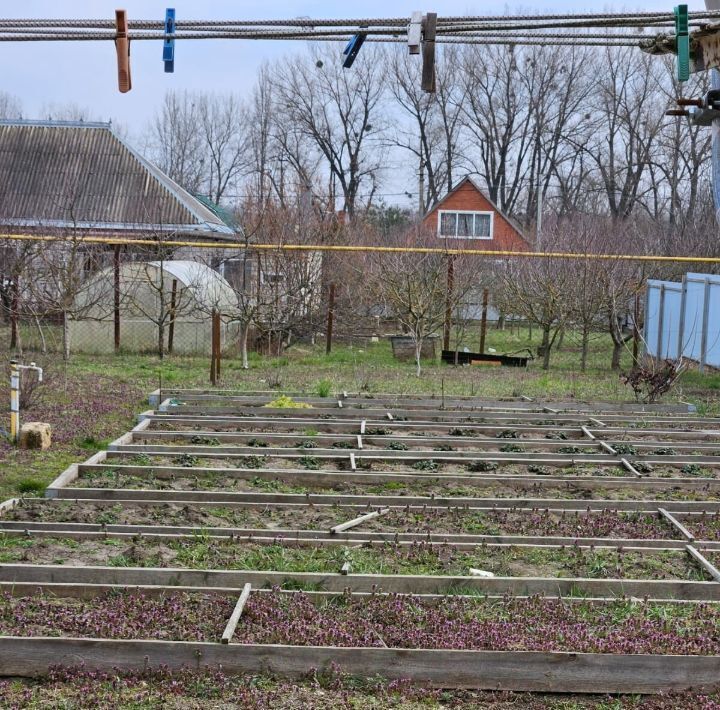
(64,174)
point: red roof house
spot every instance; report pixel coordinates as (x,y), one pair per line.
(467,218)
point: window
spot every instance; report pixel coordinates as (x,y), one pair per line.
(465,225)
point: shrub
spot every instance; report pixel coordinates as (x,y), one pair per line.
(652,379)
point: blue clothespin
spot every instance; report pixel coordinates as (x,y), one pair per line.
(169,43)
(352,49)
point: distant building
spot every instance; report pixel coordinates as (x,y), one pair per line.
(467,218)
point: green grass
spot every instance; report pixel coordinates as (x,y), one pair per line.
(369,369)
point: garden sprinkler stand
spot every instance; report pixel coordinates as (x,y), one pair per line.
(15,369)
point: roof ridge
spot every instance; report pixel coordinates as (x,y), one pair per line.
(50,123)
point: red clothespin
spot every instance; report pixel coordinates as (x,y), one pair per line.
(428,52)
(122,47)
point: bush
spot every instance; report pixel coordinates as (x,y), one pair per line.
(652,379)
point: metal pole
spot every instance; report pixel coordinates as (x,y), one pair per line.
(116,297)
(421,185)
(705,326)
(448,303)
(715,84)
(14,401)
(330,314)
(538,217)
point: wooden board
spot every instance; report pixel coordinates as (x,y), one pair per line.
(522,671)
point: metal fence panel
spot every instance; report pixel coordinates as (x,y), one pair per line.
(662,331)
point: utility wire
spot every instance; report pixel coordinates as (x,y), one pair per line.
(497,253)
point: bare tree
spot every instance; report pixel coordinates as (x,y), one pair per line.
(339,112)
(413,287)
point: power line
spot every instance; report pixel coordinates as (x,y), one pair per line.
(375,249)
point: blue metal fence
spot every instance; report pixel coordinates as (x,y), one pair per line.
(683,319)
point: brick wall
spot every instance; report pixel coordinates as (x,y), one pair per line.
(468,197)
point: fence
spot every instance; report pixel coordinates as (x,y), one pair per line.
(683,319)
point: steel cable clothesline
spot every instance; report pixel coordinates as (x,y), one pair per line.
(171,243)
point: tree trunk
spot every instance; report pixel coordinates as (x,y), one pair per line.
(616,355)
(418,350)
(545,345)
(161,340)
(66,336)
(584,351)
(243,344)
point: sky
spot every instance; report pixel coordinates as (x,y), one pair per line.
(43,74)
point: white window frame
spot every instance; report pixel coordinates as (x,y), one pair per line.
(450,236)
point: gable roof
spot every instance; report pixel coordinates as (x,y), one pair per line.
(82,175)
(471,179)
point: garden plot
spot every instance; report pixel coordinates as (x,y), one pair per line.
(117,615)
(506,506)
(533,624)
(507,441)
(573,461)
(419,558)
(108,514)
(169,478)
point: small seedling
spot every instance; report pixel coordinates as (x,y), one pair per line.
(257,443)
(624,449)
(507,434)
(200,440)
(511,448)
(306,444)
(309,462)
(187,460)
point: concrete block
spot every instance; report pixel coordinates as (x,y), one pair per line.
(35,435)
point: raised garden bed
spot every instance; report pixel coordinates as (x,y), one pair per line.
(173,617)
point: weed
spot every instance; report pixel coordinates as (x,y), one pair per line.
(378,431)
(482,466)
(323,388)
(186,460)
(259,443)
(251,462)
(306,445)
(624,449)
(342,445)
(200,440)
(309,462)
(539,470)
(665,451)
(285,402)
(557,435)
(507,434)
(511,448)
(397,446)
(426,465)
(444,447)
(30,486)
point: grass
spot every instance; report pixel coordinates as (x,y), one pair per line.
(93,399)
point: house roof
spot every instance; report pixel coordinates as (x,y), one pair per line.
(471,179)
(82,175)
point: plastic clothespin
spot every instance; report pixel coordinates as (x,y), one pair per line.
(682,42)
(122,47)
(169,43)
(352,49)
(428,52)
(414,35)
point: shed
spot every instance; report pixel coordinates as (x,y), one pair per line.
(175,297)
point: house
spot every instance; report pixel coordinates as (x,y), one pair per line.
(467,218)
(61,176)
(71,182)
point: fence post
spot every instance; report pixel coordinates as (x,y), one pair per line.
(330,315)
(448,303)
(661,318)
(483,321)
(705,326)
(171,325)
(213,351)
(116,297)
(681,324)
(636,330)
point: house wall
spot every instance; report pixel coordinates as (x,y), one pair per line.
(467,197)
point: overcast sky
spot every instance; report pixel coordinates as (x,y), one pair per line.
(43,74)
(84,73)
